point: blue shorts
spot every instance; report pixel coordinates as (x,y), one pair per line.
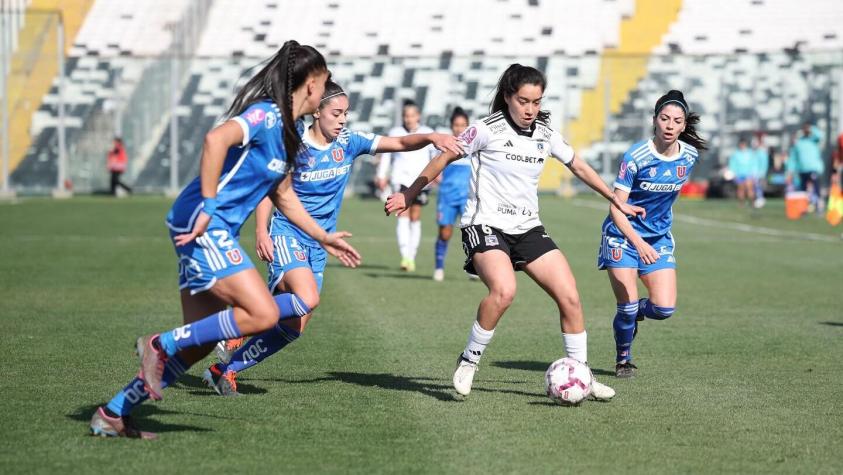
(448,210)
(618,253)
(208,258)
(290,253)
(741,179)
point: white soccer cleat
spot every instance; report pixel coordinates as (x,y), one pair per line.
(439,275)
(464,376)
(601,392)
(226,348)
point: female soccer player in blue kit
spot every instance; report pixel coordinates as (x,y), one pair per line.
(296,260)
(244,160)
(453,194)
(651,174)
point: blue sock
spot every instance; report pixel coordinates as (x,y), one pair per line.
(646,308)
(217,327)
(261,347)
(441,252)
(134,393)
(290,306)
(624,325)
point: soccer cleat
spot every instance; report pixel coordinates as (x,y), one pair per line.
(223,383)
(601,392)
(464,375)
(625,369)
(439,275)
(405,264)
(152,361)
(226,348)
(104,425)
(474,277)
(411,265)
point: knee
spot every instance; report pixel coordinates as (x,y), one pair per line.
(569,304)
(503,296)
(658,312)
(445,233)
(310,298)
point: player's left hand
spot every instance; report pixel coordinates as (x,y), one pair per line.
(336,246)
(264,247)
(446,143)
(199,228)
(631,210)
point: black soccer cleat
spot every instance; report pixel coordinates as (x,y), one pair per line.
(625,369)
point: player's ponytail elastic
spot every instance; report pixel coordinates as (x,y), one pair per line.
(689,136)
(511,81)
(458,112)
(281,74)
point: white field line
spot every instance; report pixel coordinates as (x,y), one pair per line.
(728,225)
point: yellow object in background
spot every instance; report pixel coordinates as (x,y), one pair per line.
(834,211)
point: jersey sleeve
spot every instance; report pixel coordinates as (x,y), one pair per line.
(626,173)
(362,143)
(560,149)
(474,138)
(256,120)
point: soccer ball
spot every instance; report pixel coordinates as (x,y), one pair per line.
(568,381)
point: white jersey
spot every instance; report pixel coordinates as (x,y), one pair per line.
(405,166)
(506,163)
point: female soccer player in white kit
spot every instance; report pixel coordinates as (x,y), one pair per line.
(501,230)
(403,168)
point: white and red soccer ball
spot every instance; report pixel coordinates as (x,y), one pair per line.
(568,381)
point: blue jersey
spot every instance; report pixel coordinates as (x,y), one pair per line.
(319,180)
(455,181)
(250,172)
(653,182)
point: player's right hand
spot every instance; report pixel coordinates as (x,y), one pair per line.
(199,228)
(264,246)
(396,203)
(336,246)
(647,253)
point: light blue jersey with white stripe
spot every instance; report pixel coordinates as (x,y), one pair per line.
(320,178)
(653,182)
(251,171)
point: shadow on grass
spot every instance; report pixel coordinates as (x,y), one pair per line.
(198,388)
(427,386)
(142,415)
(362,266)
(832,324)
(397,275)
(541,366)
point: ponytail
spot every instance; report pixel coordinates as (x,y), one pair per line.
(282,74)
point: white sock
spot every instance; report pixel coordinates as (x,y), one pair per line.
(576,346)
(403,232)
(477,341)
(415,238)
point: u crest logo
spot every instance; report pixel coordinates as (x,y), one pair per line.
(681,170)
(617,253)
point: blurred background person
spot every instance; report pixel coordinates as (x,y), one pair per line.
(402,168)
(116,162)
(805,161)
(741,165)
(761,161)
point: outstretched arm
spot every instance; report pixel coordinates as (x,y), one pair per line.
(397,202)
(407,143)
(584,172)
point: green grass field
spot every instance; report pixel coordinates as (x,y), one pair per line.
(745,378)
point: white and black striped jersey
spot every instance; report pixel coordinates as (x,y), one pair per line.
(506,163)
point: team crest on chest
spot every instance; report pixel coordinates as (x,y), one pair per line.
(540,146)
(311,161)
(338,154)
(681,170)
(653,172)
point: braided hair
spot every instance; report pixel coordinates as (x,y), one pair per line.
(281,74)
